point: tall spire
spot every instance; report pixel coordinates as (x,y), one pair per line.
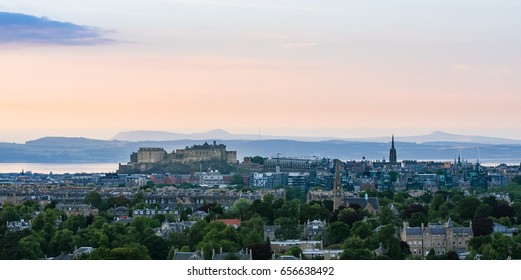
(337,189)
(392,153)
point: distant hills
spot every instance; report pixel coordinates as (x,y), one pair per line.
(435,146)
(437,136)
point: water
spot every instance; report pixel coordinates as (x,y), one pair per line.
(58,168)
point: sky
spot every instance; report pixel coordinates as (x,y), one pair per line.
(342,68)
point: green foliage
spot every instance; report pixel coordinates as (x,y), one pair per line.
(336,233)
(517,179)
(295,193)
(93,198)
(362,230)
(237,179)
(294,251)
(257,159)
(241,209)
(288,228)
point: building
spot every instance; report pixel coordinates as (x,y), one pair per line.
(150,155)
(235,223)
(205,152)
(315,230)
(269,232)
(322,254)
(291,163)
(392,153)
(78,209)
(18,225)
(168,228)
(370,204)
(145,158)
(440,238)
(82,251)
(337,192)
(282,246)
(505,230)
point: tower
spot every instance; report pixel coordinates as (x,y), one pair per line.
(392,153)
(337,189)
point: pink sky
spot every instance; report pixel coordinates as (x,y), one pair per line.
(198,66)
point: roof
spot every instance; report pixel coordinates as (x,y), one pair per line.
(188,256)
(363,202)
(241,255)
(83,250)
(63,257)
(231,222)
(413,231)
(286,258)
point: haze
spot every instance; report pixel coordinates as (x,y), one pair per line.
(287,67)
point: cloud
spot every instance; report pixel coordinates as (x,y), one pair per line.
(20,28)
(297,45)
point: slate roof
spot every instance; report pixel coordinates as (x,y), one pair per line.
(188,256)
(362,201)
(241,255)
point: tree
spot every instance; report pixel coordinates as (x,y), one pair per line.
(294,251)
(130,252)
(357,254)
(517,179)
(241,208)
(264,210)
(196,232)
(436,202)
(336,233)
(414,208)
(386,216)
(467,207)
(252,238)
(481,223)
(261,251)
(75,222)
(237,179)
(417,219)
(348,216)
(288,228)
(62,242)
(157,247)
(362,230)
(257,159)
(93,198)
(30,247)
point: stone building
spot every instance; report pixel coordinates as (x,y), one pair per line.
(78,209)
(205,152)
(150,155)
(315,230)
(440,238)
(145,158)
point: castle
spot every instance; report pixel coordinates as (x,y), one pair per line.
(146,157)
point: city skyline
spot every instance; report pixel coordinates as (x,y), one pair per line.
(298,68)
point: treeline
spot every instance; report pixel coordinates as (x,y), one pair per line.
(356,231)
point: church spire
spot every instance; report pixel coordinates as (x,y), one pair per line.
(337,188)
(392,153)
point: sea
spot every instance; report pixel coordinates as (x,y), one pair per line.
(58,168)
